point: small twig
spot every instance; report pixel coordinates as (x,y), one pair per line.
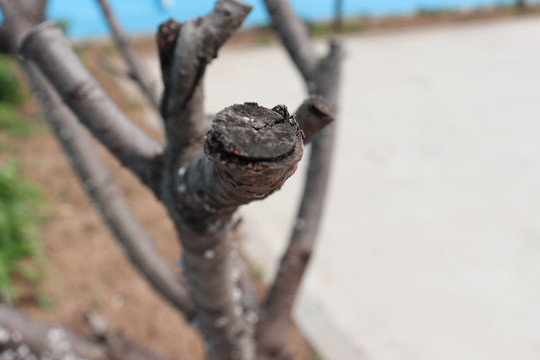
(50,50)
(145,80)
(312,116)
(294,36)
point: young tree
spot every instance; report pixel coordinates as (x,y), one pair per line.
(202,175)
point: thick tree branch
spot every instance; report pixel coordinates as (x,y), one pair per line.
(28,337)
(184,57)
(250,152)
(50,50)
(146,82)
(294,36)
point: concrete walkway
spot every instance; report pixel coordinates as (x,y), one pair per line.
(430,247)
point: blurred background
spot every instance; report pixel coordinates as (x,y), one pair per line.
(143,16)
(430,244)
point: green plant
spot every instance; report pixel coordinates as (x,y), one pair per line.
(11,91)
(20,252)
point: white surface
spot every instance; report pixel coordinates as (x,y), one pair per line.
(430,247)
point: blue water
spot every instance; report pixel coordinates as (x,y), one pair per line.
(143,16)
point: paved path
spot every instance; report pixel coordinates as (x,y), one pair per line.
(430,248)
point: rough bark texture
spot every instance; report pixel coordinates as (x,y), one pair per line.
(249,153)
(143,78)
(187,54)
(50,50)
(312,116)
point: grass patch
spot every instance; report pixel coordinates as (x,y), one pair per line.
(11,91)
(21,206)
(13,123)
(14,120)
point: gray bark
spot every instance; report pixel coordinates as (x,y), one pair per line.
(108,198)
(321,77)
(185,57)
(312,116)
(47,46)
(53,342)
(294,36)
(249,153)
(145,80)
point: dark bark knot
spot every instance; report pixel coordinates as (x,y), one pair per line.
(251,133)
(266,142)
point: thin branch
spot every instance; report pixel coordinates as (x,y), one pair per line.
(50,50)
(294,36)
(146,81)
(323,79)
(312,116)
(48,342)
(186,56)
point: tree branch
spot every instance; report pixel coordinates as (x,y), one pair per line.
(108,198)
(294,36)
(50,50)
(48,342)
(44,340)
(184,57)
(321,78)
(250,152)
(146,82)
(312,116)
